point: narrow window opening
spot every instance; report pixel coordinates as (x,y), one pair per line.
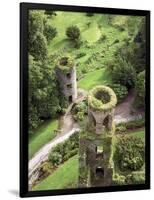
(69,86)
(99,172)
(68,75)
(70,99)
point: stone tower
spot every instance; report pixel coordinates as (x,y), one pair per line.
(66,74)
(95,149)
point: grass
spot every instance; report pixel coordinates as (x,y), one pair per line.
(92,34)
(66,176)
(41,136)
(94,78)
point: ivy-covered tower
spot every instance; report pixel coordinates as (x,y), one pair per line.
(95,149)
(66,74)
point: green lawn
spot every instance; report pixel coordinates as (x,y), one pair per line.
(42,135)
(66,176)
(94,78)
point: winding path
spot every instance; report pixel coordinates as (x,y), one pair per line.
(124,112)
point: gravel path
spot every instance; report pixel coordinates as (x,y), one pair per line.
(67,129)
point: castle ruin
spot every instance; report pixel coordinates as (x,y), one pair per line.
(95,145)
(66,74)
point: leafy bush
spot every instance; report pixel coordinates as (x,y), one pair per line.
(129,153)
(131,125)
(64,150)
(80,110)
(135,178)
(73,33)
(139,123)
(123,72)
(55,158)
(140,90)
(119,179)
(121,128)
(50,32)
(120,91)
(39,47)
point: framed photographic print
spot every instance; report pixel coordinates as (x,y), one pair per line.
(84,99)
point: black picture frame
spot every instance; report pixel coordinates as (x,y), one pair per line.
(24,8)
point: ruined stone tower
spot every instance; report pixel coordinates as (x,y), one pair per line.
(95,149)
(66,74)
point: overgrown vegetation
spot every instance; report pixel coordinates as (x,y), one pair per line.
(106,50)
(102,98)
(129,153)
(64,150)
(80,110)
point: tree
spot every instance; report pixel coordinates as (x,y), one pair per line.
(38,47)
(50,32)
(40,32)
(43,93)
(140,89)
(123,72)
(73,33)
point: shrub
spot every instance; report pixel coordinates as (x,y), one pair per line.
(64,150)
(120,91)
(129,153)
(73,33)
(44,170)
(131,125)
(119,179)
(140,90)
(123,72)
(139,123)
(50,32)
(80,116)
(39,47)
(135,178)
(80,110)
(55,158)
(121,128)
